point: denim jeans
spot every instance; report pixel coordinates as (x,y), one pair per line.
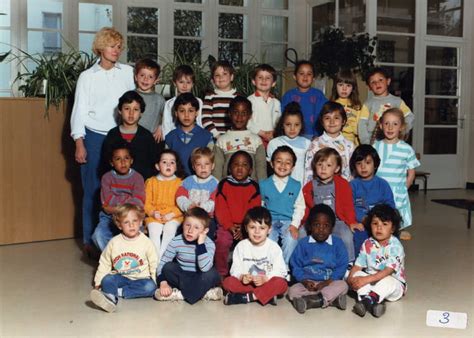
(105,230)
(138,288)
(280,229)
(342,231)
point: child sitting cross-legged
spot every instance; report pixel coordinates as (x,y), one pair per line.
(185,271)
(127,267)
(258,270)
(318,264)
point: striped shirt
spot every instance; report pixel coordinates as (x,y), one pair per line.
(214,111)
(119,189)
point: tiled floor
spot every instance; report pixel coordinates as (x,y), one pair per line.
(44,289)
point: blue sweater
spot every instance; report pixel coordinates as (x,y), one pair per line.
(280,204)
(368,193)
(319,261)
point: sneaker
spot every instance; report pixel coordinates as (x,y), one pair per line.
(314,301)
(213,294)
(176,295)
(101,300)
(236,298)
(405,235)
(273,301)
(359,309)
(378,310)
(340,302)
(299,304)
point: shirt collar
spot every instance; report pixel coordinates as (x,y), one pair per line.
(325,136)
(329,240)
(257,94)
(278,179)
(97,68)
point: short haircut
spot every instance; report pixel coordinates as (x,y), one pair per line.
(324,154)
(301,63)
(360,153)
(119,145)
(379,135)
(264,67)
(223,64)
(199,152)
(284,149)
(200,214)
(179,167)
(148,64)
(185,98)
(258,215)
(106,37)
(376,70)
(331,107)
(183,70)
(121,211)
(129,97)
(291,109)
(347,76)
(386,214)
(238,153)
(239,100)
(313,213)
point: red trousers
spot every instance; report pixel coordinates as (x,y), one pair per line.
(223,242)
(264,293)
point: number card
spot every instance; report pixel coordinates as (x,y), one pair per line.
(452,320)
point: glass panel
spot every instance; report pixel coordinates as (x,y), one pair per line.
(140,47)
(273,54)
(142,20)
(352,16)
(93,17)
(5,9)
(274,28)
(441,111)
(187,49)
(322,16)
(85,42)
(441,56)
(37,9)
(5,67)
(231,51)
(275,4)
(396,16)
(440,141)
(441,81)
(402,83)
(395,49)
(6,93)
(445,17)
(190,1)
(238,3)
(44,42)
(231,26)
(187,23)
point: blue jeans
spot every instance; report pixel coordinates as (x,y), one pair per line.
(90,177)
(342,231)
(280,229)
(139,288)
(104,231)
(359,238)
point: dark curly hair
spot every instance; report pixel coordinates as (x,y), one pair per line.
(386,214)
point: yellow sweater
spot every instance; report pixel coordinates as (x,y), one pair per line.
(353,116)
(161,196)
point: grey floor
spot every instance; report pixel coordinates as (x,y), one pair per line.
(44,289)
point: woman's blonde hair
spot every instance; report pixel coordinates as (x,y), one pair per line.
(394,111)
(106,37)
(121,211)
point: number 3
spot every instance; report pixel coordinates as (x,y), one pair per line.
(445,319)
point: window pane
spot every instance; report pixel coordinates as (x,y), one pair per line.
(402,83)
(142,20)
(5,67)
(396,16)
(322,16)
(44,42)
(187,49)
(441,111)
(274,54)
(85,42)
(231,51)
(395,48)
(231,26)
(275,4)
(5,9)
(190,1)
(187,23)
(92,17)
(37,9)
(441,81)
(441,56)
(140,47)
(239,3)
(440,141)
(445,17)
(352,16)
(274,28)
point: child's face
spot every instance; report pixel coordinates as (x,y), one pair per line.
(111,54)
(167,165)
(378,84)
(365,168)
(344,90)
(239,117)
(121,161)
(130,113)
(304,77)
(381,230)
(184,84)
(146,80)
(326,169)
(258,232)
(264,81)
(333,123)
(391,126)
(186,115)
(321,227)
(222,79)
(292,126)
(240,168)
(192,228)
(130,225)
(283,164)
(203,167)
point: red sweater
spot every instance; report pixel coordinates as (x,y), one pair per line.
(345,210)
(233,200)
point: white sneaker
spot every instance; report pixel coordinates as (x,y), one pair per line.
(213,294)
(102,301)
(175,295)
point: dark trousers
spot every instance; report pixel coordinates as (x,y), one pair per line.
(359,238)
(193,285)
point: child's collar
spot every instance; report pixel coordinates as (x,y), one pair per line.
(258,94)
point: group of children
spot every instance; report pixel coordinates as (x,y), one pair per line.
(243,173)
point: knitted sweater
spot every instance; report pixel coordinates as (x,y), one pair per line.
(214,111)
(119,189)
(350,130)
(160,196)
(153,115)
(198,191)
(265,114)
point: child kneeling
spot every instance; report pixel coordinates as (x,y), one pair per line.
(185,271)
(318,264)
(128,264)
(258,270)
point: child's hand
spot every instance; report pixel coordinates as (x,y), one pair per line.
(165,289)
(293,231)
(202,236)
(193,205)
(259,280)
(319,286)
(356,226)
(156,215)
(157,134)
(246,279)
(236,232)
(357,282)
(168,217)
(81,152)
(309,284)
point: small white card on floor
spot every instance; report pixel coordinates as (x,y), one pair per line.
(448,319)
